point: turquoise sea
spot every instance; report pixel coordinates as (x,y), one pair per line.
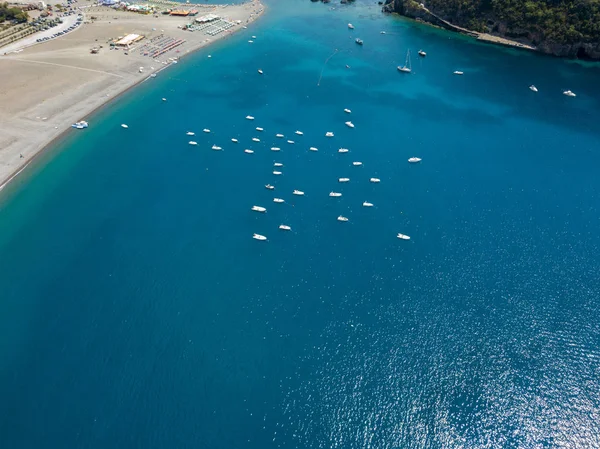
(136,310)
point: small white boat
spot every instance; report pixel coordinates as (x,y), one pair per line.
(259,237)
(124,126)
(382,32)
(278,200)
(191,142)
(328,134)
(277,164)
(291,142)
(406,68)
(359,41)
(403,236)
(350,26)
(255,139)
(347,111)
(80,125)
(357,164)
(375,180)
(335,194)
(276,173)
(533,88)
(164,99)
(349,124)
(275,149)
(285,227)
(414,160)
(269,187)
(367,204)
(458,72)
(153,75)
(259,209)
(216,148)
(342,218)
(279,136)
(253,37)
(343,150)
(206,130)
(189,133)
(300,133)
(260,71)
(569,93)
(344,180)
(249,117)
(298,192)
(313,149)
(250,41)
(234,140)
(248,151)
(258,128)
(422,53)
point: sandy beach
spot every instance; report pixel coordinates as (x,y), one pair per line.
(48,86)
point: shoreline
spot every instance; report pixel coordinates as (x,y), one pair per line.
(100,99)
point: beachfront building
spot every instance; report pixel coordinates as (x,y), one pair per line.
(129,40)
(207,18)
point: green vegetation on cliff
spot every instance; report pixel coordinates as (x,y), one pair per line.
(7,13)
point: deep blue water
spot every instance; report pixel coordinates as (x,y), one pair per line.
(137,311)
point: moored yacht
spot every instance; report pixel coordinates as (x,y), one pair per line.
(189,133)
(347,111)
(278,200)
(367,204)
(269,187)
(291,142)
(259,237)
(285,227)
(422,53)
(458,72)
(259,209)
(255,139)
(206,130)
(249,117)
(349,124)
(533,88)
(328,134)
(300,133)
(234,140)
(260,71)
(275,149)
(344,180)
(191,142)
(277,164)
(276,173)
(258,128)
(357,164)
(375,180)
(414,160)
(343,150)
(313,149)
(403,236)
(216,148)
(248,151)
(350,26)
(569,93)
(335,194)
(280,136)
(123,125)
(342,218)
(298,192)
(358,41)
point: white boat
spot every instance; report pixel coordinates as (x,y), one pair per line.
(124,126)
(343,150)
(342,218)
(249,151)
(258,128)
(253,37)
(277,164)
(255,139)
(406,68)
(335,194)
(298,192)
(300,133)
(533,88)
(344,180)
(357,164)
(206,130)
(347,111)
(382,32)
(291,142)
(153,75)
(250,41)
(414,160)
(276,173)
(259,237)
(260,71)
(349,124)
(350,26)
(189,133)
(328,134)
(358,41)
(278,200)
(191,142)
(313,149)
(269,187)
(367,204)
(375,180)
(458,72)
(216,148)
(164,99)
(249,117)
(285,227)
(279,136)
(80,125)
(259,209)
(422,53)
(569,93)
(403,236)
(275,149)
(234,140)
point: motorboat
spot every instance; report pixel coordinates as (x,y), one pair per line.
(80,125)
(533,88)
(276,173)
(253,37)
(357,164)
(249,117)
(259,209)
(458,72)
(248,151)
(123,125)
(259,237)
(291,142)
(335,194)
(275,149)
(191,142)
(358,41)
(298,192)
(189,133)
(258,128)
(206,130)
(216,148)
(255,139)
(367,204)
(234,140)
(382,32)
(328,134)
(344,180)
(569,93)
(403,236)
(278,200)
(269,187)
(285,227)
(313,149)
(349,124)
(422,53)
(164,99)
(260,71)
(347,111)
(277,164)
(350,26)
(300,133)
(250,41)
(342,218)
(279,136)
(375,180)
(414,160)
(343,150)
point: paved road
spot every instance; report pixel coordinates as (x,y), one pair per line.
(31,39)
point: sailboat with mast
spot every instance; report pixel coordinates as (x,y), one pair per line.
(406,68)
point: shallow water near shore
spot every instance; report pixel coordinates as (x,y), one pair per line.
(137,310)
